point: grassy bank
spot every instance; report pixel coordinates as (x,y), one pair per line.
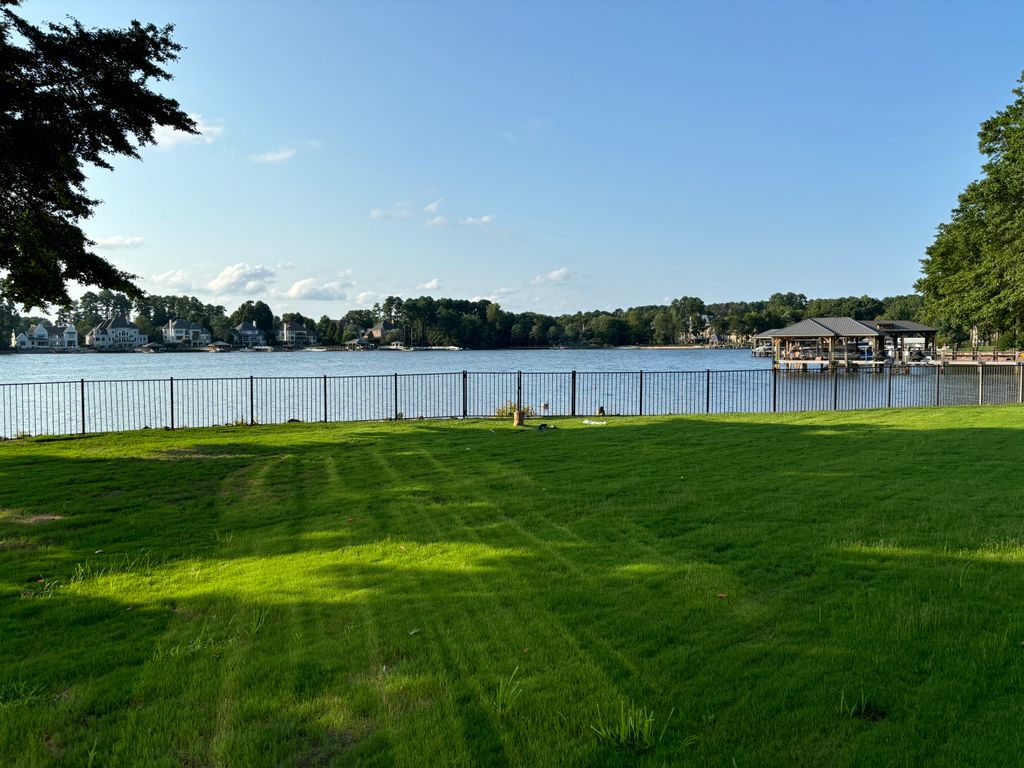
(808,589)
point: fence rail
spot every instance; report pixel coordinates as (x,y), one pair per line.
(80,407)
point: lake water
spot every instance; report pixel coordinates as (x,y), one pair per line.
(19,368)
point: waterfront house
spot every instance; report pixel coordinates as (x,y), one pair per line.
(186,333)
(42,336)
(118,333)
(295,334)
(381,330)
(246,334)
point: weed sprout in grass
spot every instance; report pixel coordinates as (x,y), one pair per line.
(508,692)
(861,709)
(19,693)
(634,728)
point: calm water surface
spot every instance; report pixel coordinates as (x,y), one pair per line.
(18,368)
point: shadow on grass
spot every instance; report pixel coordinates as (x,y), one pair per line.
(741,571)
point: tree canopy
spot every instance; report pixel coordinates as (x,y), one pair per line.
(70,97)
(974,270)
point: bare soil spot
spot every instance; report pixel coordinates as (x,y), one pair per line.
(37,519)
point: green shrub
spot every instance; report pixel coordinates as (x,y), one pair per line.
(509,408)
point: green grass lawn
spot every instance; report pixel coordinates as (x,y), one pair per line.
(806,589)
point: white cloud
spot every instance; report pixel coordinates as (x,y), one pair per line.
(434,206)
(284,265)
(554,277)
(313,289)
(367,297)
(496,295)
(120,241)
(174,278)
(437,221)
(276,156)
(431,285)
(481,221)
(241,278)
(399,210)
(167,137)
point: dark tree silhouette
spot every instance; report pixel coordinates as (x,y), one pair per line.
(70,97)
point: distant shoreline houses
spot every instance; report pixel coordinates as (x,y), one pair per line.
(121,334)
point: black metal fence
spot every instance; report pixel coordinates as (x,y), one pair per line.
(57,408)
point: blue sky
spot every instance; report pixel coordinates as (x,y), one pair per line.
(552,156)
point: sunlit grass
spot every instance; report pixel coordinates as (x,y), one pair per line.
(806,589)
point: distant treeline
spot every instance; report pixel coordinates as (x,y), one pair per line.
(482,324)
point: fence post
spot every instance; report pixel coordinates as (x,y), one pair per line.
(888,388)
(396,396)
(82,392)
(465,394)
(572,406)
(1020,383)
(707,391)
(641,393)
(252,419)
(937,369)
(172,402)
(519,390)
(325,398)
(775,389)
(981,384)
(835,386)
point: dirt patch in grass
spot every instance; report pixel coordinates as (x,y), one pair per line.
(37,519)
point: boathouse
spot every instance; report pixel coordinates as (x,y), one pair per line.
(831,341)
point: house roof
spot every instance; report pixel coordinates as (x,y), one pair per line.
(899,327)
(246,327)
(115,322)
(844,327)
(292,325)
(185,325)
(824,327)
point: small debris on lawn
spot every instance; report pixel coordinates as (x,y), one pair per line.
(99,551)
(413,631)
(722,596)
(595,423)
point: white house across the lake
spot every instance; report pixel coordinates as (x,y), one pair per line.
(118,333)
(44,336)
(186,333)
